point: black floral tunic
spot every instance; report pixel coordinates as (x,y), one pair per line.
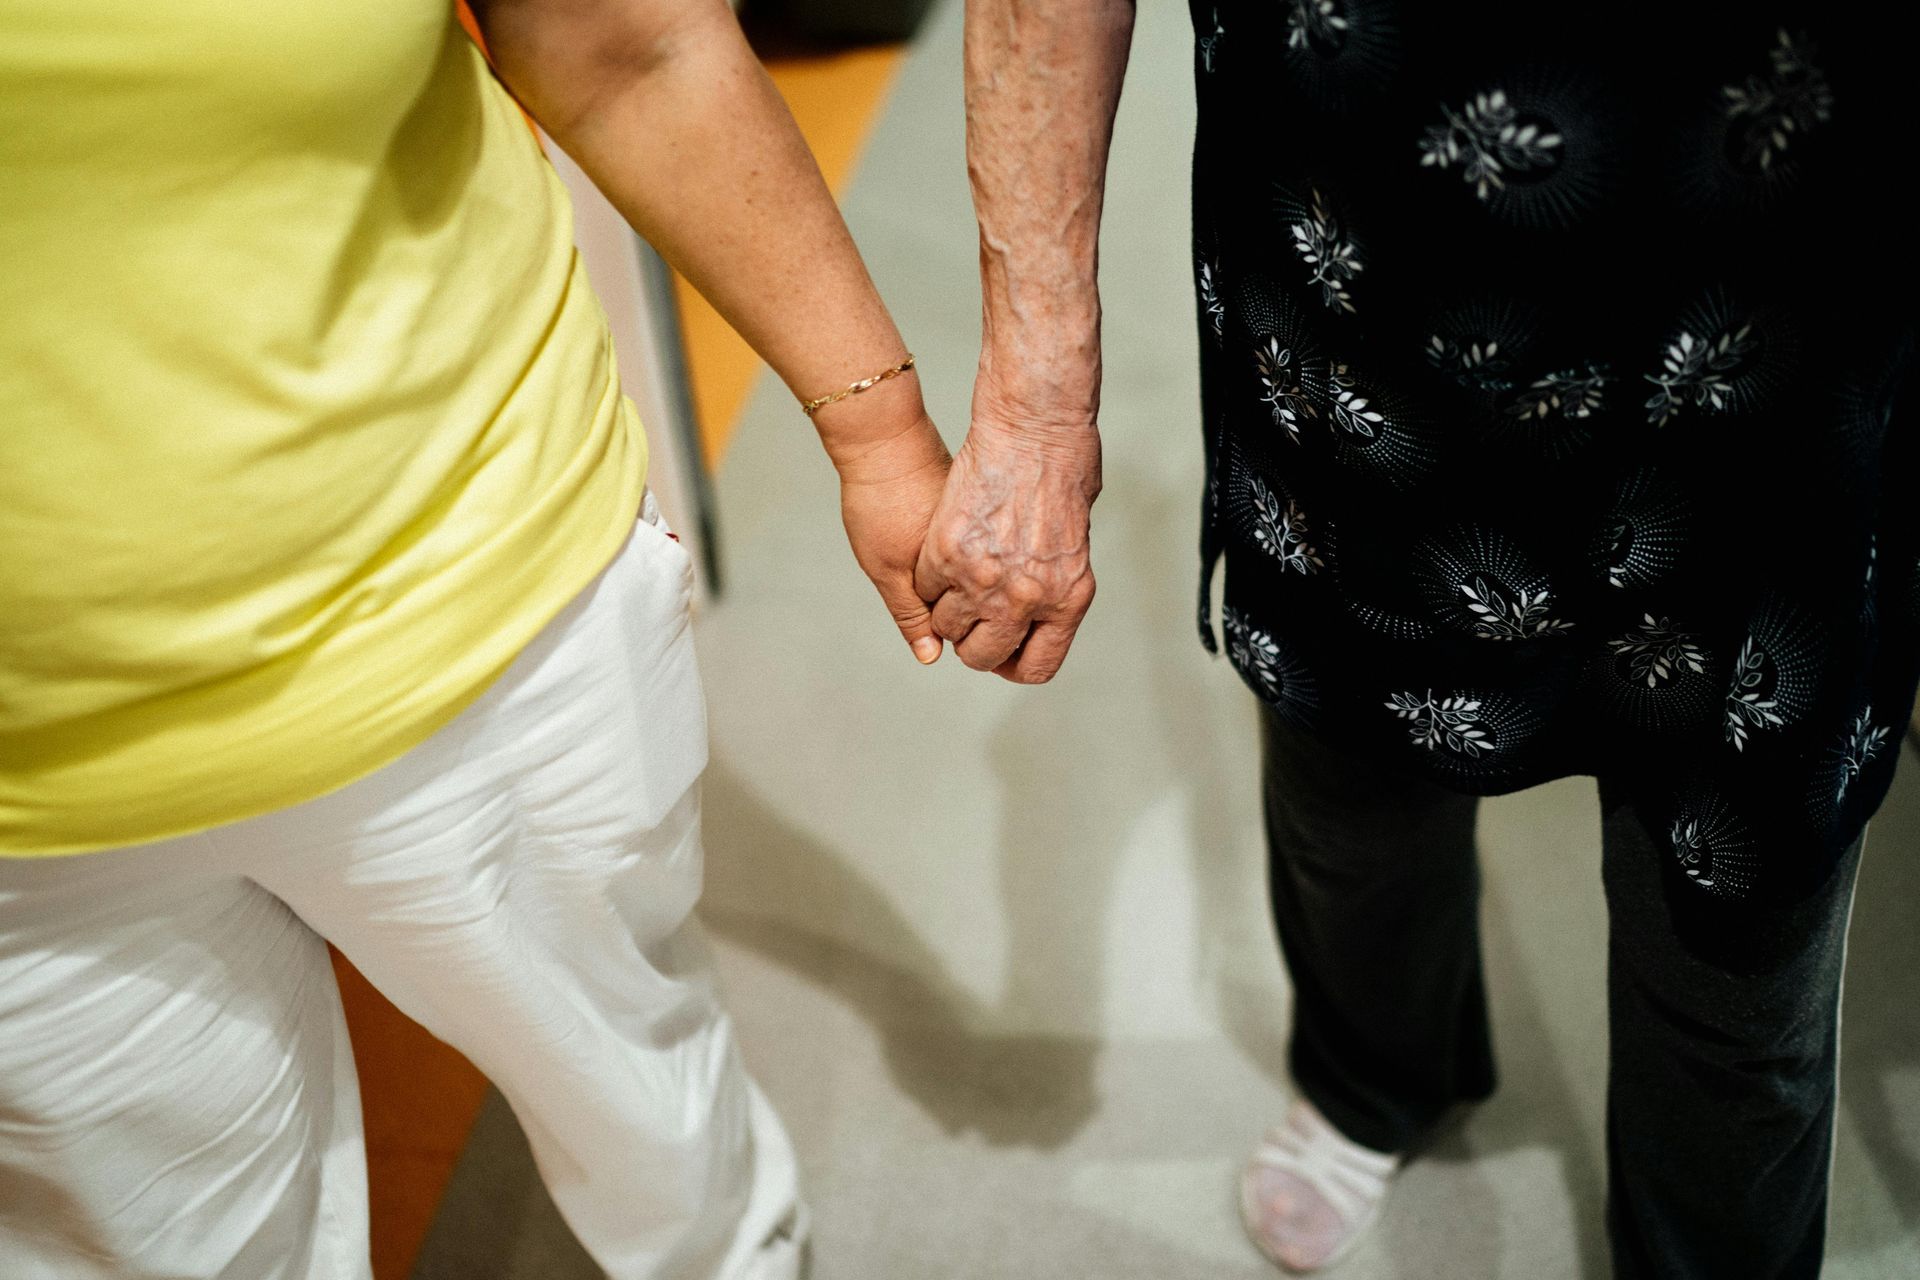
(1552,361)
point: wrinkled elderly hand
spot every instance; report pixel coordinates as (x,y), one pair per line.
(1005,562)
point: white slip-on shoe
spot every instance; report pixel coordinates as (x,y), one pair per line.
(1309,1192)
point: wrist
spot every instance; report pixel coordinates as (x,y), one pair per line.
(1041,403)
(1040,337)
(852,428)
(1057,450)
(1040,369)
(883,444)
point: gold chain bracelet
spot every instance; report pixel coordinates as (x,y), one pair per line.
(811,407)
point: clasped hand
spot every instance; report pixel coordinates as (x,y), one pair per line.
(988,550)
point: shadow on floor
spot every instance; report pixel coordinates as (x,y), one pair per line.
(496,1218)
(940,1045)
(1074,787)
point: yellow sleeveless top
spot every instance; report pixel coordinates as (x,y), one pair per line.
(308,419)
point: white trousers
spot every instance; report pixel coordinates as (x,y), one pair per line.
(177,1096)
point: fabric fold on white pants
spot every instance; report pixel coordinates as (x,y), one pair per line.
(176,1090)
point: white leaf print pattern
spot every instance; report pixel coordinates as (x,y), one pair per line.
(1282,531)
(1569,393)
(1280,388)
(1210,44)
(1473,363)
(1863,743)
(1257,655)
(1692,847)
(1655,650)
(1210,304)
(1453,722)
(1695,372)
(1789,101)
(1521,617)
(1314,22)
(1746,709)
(1352,411)
(1331,255)
(1486,139)
(1713,846)
(1619,552)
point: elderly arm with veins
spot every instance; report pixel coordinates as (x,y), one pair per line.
(1006,558)
(663,104)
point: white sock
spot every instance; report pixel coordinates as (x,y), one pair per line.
(1310,1191)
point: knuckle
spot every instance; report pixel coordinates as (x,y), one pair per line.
(1026,593)
(980,576)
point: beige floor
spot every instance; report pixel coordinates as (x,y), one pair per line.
(1000,954)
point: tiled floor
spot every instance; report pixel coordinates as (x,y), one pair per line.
(1000,954)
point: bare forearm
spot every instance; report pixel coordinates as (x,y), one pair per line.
(677,123)
(1043,82)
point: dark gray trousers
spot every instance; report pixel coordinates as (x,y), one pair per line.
(1723,1046)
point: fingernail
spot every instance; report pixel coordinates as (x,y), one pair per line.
(927,649)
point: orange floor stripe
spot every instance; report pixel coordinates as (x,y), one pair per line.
(419,1096)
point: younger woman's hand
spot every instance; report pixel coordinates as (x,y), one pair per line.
(888,492)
